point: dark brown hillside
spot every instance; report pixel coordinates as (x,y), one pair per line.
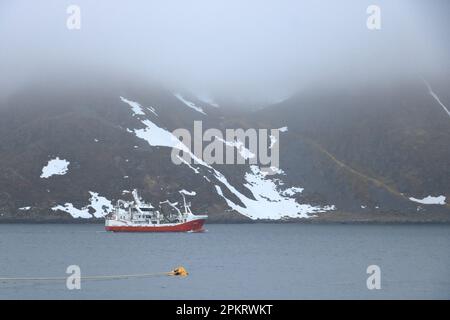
(365,150)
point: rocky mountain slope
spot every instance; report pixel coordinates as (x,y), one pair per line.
(371,148)
(69,149)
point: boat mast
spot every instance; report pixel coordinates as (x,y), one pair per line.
(187,209)
(136,197)
(184,203)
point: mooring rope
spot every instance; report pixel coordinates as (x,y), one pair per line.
(180,271)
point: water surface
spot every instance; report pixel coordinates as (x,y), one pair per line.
(235,261)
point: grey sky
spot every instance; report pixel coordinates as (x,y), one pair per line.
(247,48)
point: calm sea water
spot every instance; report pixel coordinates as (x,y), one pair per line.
(244,261)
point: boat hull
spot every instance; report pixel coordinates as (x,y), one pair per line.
(189,226)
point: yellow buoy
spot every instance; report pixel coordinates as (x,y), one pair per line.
(180,271)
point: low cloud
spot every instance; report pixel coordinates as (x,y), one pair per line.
(254,50)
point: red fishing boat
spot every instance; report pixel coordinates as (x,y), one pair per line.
(139,216)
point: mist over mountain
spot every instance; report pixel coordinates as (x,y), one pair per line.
(365,153)
(254,52)
(88,115)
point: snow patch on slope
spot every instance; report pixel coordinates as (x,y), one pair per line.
(188,164)
(55,166)
(152,110)
(100,205)
(160,137)
(189,103)
(292,191)
(135,107)
(207,99)
(430,200)
(434,95)
(239,145)
(269,201)
(188,193)
(156,136)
